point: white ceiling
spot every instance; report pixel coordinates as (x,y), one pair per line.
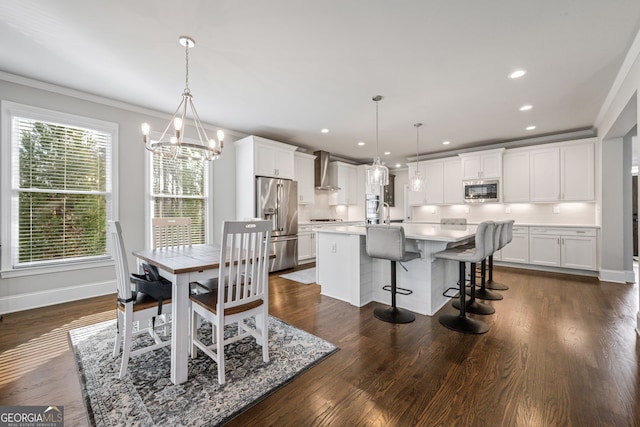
(284,69)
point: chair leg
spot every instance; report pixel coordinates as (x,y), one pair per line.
(460,322)
(194,334)
(393,314)
(219,330)
(116,345)
(126,348)
(490,283)
(265,336)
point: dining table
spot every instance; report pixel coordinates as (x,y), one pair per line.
(182,265)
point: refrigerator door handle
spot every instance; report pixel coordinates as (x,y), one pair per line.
(280,197)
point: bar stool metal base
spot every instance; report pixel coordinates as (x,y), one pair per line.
(463,324)
(394,315)
(486,294)
(475,307)
(496,286)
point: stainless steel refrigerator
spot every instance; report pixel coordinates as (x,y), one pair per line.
(277,201)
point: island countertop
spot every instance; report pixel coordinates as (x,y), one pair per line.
(435,232)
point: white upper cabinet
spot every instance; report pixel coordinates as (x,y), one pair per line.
(564,172)
(515,176)
(304,167)
(345,176)
(273,158)
(434,181)
(452,172)
(442,182)
(482,164)
(577,166)
(545,174)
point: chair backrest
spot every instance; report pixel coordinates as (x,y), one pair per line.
(453,221)
(119,255)
(497,235)
(507,233)
(385,242)
(171,231)
(245,274)
(484,240)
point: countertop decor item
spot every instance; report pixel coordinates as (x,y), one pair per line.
(173,144)
(377,173)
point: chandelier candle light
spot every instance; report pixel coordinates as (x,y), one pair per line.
(172,144)
(377,173)
(416,180)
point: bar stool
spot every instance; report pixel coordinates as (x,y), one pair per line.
(483,292)
(387,242)
(463,254)
(506,235)
(472,305)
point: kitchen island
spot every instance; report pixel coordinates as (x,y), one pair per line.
(344,270)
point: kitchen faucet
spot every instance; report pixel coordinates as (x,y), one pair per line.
(387,219)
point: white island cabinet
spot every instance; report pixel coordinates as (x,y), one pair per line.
(344,270)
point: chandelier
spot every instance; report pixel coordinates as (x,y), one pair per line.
(377,173)
(172,143)
(416,181)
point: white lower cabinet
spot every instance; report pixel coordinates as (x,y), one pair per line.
(563,247)
(517,251)
(306,244)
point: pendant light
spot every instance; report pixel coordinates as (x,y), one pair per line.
(172,144)
(377,173)
(417,183)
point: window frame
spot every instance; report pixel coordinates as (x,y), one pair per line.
(9,195)
(149,196)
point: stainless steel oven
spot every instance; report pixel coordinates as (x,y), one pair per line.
(481,191)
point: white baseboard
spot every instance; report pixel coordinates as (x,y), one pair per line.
(31,300)
(617,276)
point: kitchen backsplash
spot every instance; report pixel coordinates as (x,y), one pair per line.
(321,209)
(524,213)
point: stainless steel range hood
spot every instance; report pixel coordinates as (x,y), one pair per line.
(322,171)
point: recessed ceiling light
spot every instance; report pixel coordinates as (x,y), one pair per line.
(361,143)
(325,130)
(398,165)
(446,142)
(526,107)
(386,153)
(530,127)
(517,73)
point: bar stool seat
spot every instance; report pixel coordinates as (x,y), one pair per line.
(388,242)
(472,255)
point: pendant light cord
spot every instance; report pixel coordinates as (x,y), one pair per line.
(186,79)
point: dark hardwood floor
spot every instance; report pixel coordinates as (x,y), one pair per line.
(561,351)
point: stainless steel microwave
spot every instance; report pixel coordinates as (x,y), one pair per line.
(481,191)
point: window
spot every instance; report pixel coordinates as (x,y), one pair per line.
(57,187)
(179,188)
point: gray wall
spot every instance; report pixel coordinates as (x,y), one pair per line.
(15,291)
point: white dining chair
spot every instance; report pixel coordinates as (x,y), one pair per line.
(171,231)
(133,307)
(242,292)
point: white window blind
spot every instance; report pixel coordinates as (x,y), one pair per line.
(61,188)
(179,188)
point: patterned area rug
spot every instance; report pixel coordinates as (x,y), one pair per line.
(306,276)
(146,396)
